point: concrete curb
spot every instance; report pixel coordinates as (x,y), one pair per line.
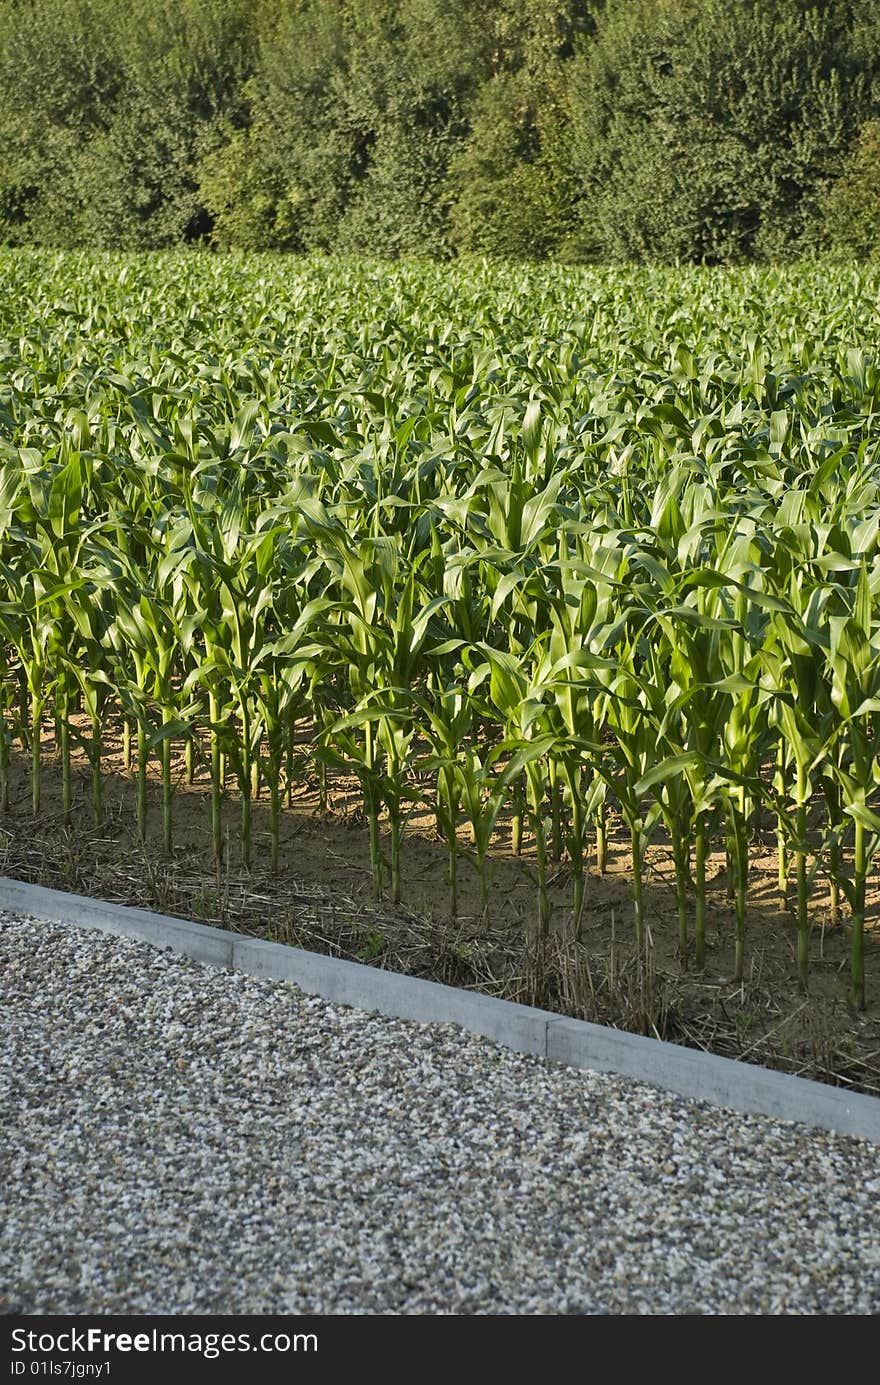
(688,1072)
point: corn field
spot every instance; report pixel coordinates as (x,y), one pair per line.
(525,545)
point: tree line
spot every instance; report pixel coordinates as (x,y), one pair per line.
(716,131)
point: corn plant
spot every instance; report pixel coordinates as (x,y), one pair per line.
(482,548)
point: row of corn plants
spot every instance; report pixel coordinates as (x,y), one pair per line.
(527,546)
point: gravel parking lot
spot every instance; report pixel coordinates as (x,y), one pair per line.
(177,1139)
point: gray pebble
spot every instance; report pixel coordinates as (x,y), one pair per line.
(176,1139)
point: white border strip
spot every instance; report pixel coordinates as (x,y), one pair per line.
(689,1072)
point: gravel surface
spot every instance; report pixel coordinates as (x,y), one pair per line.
(175,1139)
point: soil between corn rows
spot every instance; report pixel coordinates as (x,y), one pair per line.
(322,899)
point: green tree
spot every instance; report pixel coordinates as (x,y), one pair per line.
(354,111)
(711,129)
(511,187)
(852,208)
(105,111)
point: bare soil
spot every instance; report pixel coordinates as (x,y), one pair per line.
(322,898)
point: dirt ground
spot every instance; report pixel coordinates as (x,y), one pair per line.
(322,898)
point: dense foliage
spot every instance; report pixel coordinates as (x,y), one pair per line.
(527,541)
(708,130)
